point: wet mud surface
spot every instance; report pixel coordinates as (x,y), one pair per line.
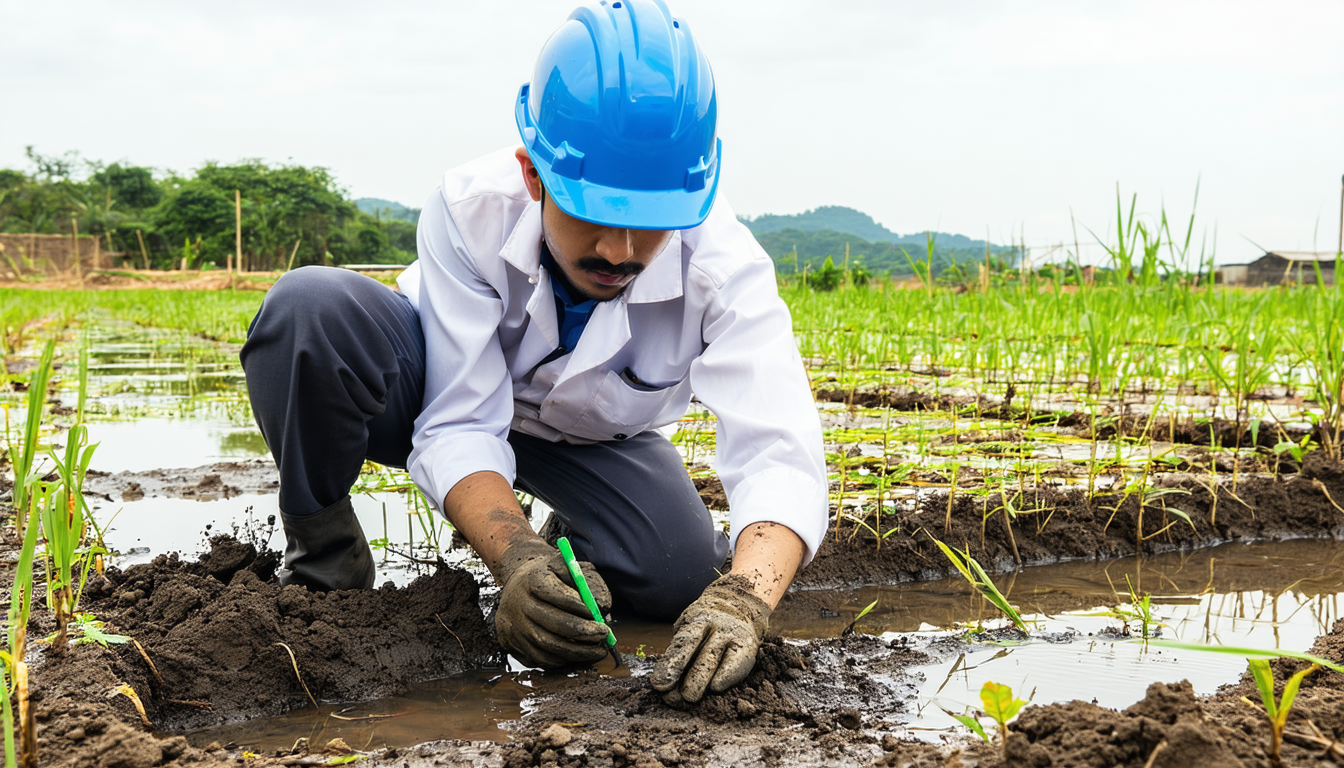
(217,636)
(221,480)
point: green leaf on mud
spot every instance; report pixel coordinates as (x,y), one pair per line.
(999,702)
(972,723)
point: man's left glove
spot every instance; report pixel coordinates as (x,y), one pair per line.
(541,618)
(715,642)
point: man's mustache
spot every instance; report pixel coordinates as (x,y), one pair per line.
(595,264)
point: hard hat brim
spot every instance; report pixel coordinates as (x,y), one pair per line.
(629,208)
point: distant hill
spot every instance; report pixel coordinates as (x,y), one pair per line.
(386,209)
(793,249)
(838,218)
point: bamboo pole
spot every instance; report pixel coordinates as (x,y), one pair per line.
(292,254)
(238,228)
(144,254)
(79,267)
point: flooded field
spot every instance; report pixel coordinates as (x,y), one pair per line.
(1082,492)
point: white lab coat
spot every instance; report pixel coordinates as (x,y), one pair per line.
(704,317)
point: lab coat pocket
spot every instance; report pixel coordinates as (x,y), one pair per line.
(626,408)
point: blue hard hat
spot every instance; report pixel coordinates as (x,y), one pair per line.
(619,118)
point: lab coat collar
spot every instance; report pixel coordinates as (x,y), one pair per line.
(661,281)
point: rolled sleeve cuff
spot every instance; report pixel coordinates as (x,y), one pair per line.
(785,496)
(443,464)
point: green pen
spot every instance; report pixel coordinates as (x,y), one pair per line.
(567,552)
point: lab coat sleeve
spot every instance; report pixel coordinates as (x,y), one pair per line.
(464,425)
(769,448)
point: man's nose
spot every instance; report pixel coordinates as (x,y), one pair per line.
(616,245)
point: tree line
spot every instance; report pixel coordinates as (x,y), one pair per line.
(291,214)
(796,251)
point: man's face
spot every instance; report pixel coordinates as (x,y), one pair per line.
(598,261)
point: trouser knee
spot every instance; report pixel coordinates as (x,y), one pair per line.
(688,571)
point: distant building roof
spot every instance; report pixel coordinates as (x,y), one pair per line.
(1304,255)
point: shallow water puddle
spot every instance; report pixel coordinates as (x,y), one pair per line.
(1263,595)
(1271,595)
(142,530)
(161,398)
(467,706)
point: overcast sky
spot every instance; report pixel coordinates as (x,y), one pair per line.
(968,117)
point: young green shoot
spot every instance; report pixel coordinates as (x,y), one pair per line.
(63,522)
(999,705)
(1276,711)
(849,630)
(979,580)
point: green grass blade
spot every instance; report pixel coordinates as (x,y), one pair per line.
(1256,653)
(1264,682)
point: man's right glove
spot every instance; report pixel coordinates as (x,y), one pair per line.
(541,618)
(715,642)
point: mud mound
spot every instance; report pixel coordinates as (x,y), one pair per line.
(1165,730)
(220,633)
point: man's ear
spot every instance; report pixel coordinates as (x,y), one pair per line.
(530,176)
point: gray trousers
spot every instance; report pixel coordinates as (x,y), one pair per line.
(335,366)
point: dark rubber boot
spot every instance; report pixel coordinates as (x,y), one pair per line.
(327,551)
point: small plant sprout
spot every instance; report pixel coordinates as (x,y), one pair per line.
(1276,711)
(980,581)
(1257,659)
(1138,610)
(86,628)
(1000,706)
(849,630)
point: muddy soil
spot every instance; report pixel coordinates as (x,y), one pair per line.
(1051,525)
(219,640)
(221,480)
(219,633)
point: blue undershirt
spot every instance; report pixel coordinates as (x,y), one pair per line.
(572,316)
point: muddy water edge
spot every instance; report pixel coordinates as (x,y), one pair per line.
(220,631)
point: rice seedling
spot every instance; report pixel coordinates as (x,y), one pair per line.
(1276,711)
(1138,610)
(20,608)
(979,580)
(23,457)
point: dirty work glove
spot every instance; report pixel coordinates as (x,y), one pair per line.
(715,642)
(541,618)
